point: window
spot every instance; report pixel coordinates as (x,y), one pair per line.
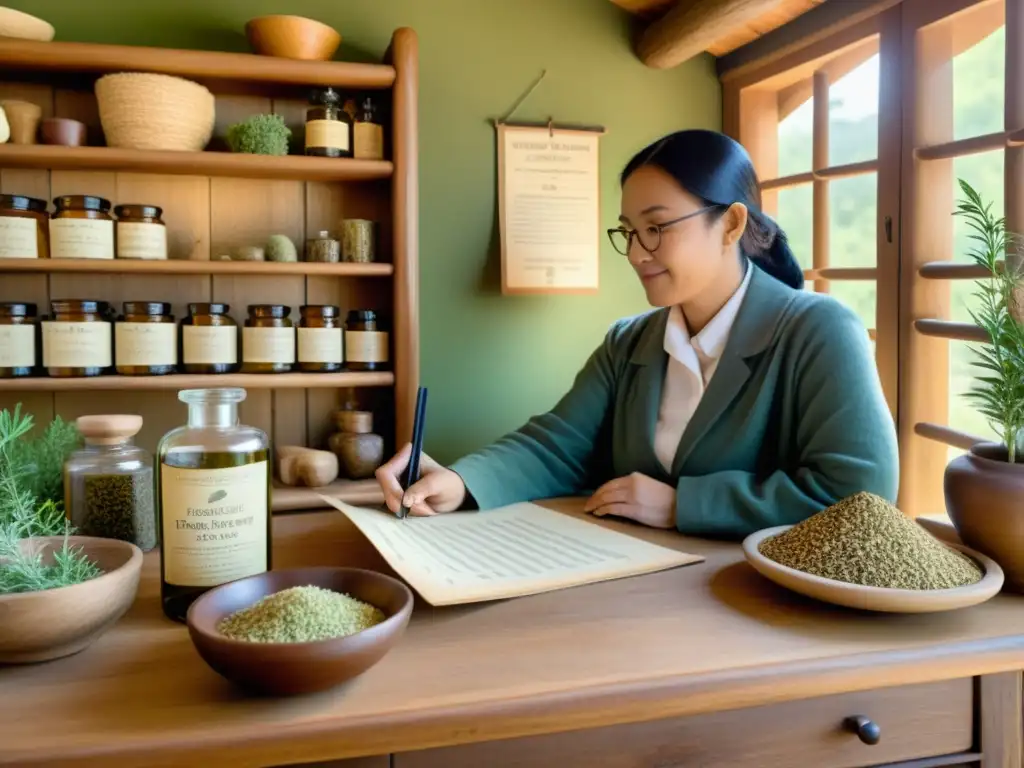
(859,138)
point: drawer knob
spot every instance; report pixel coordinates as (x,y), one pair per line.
(867,730)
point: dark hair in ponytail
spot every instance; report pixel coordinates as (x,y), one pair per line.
(715,168)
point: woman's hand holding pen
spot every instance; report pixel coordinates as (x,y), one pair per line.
(438,489)
(637,497)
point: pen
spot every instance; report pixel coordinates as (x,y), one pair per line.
(412,471)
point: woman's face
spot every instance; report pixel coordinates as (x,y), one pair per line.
(693,256)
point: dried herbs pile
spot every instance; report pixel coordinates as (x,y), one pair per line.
(31,505)
(116,507)
(866,540)
(300,615)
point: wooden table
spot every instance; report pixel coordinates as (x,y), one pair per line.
(706,665)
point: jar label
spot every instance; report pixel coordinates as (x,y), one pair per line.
(366,346)
(320,345)
(17,346)
(369,141)
(140,240)
(268,345)
(81,239)
(214,523)
(76,345)
(209,344)
(332,134)
(18,238)
(146,344)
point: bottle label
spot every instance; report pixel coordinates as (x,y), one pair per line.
(209,344)
(332,134)
(76,345)
(367,346)
(141,240)
(369,141)
(268,345)
(18,238)
(81,239)
(17,346)
(146,344)
(320,345)
(214,524)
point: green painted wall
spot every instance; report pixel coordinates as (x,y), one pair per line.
(490,361)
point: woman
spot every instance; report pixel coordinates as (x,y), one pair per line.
(742,402)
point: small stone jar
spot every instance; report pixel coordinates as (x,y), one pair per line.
(359,451)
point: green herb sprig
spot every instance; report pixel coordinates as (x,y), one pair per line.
(23,515)
(998,391)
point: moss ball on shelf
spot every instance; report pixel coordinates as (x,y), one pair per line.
(259,135)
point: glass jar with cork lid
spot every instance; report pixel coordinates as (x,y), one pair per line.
(24,228)
(268,339)
(146,339)
(209,339)
(366,344)
(77,339)
(18,340)
(81,228)
(108,483)
(320,339)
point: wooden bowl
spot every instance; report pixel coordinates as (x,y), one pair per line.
(25,26)
(292,37)
(875,598)
(62,131)
(38,626)
(295,668)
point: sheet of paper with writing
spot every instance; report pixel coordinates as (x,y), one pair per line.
(521,549)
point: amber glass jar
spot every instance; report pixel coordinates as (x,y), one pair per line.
(146,339)
(366,345)
(141,233)
(328,127)
(24,228)
(209,340)
(268,339)
(320,339)
(18,340)
(77,339)
(81,228)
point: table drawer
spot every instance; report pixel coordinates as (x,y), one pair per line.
(914,721)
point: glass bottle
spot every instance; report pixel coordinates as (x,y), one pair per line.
(320,347)
(77,341)
(367,132)
(141,233)
(209,339)
(81,228)
(328,127)
(146,339)
(108,483)
(268,339)
(24,228)
(18,340)
(213,499)
(366,346)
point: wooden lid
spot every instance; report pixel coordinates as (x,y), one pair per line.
(358,422)
(108,429)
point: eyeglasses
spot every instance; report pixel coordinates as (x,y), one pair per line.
(650,238)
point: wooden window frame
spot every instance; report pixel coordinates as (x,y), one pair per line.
(917,40)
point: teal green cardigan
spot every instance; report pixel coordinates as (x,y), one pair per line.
(793,420)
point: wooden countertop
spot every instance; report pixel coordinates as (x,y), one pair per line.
(701,638)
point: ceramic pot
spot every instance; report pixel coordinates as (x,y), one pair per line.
(62,131)
(985,501)
(359,454)
(23,117)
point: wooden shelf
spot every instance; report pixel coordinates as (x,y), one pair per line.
(237,165)
(190,267)
(199,65)
(187,381)
(287,499)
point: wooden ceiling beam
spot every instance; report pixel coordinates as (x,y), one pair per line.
(692,26)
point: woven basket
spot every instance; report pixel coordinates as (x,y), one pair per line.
(145,111)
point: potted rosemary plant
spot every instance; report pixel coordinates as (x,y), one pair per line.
(984,488)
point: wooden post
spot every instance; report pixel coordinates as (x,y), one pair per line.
(999,699)
(1013,170)
(819,162)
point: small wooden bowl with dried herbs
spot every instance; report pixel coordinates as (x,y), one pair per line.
(299,630)
(864,553)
